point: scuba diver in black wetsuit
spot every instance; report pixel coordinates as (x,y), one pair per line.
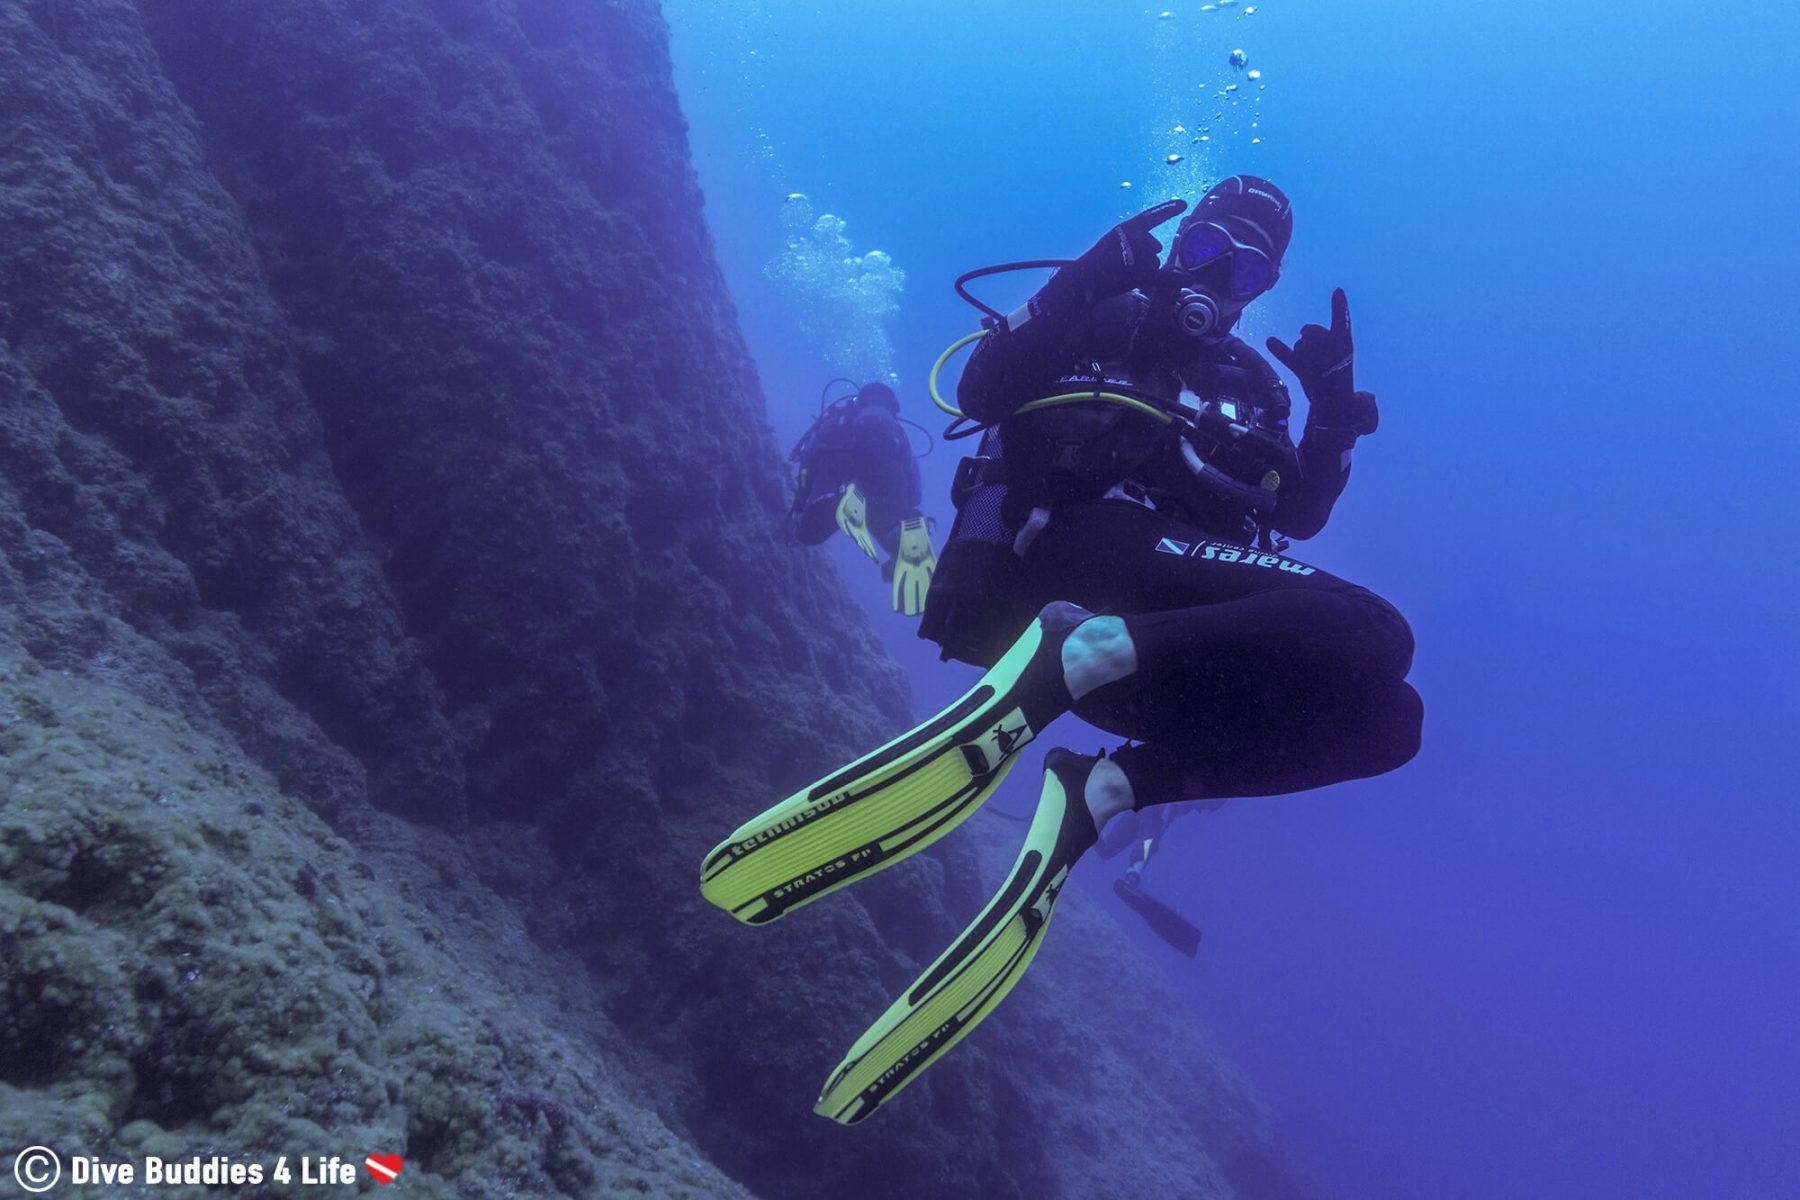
(1129,512)
(1254,673)
(856,472)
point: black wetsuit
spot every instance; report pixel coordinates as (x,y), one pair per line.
(864,444)
(1257,673)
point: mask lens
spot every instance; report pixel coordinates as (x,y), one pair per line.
(1202,244)
(1250,274)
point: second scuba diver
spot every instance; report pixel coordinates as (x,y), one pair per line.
(1143,830)
(857,473)
(1136,465)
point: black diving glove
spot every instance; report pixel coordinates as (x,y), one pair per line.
(1127,257)
(1324,362)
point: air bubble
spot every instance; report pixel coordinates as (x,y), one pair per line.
(842,299)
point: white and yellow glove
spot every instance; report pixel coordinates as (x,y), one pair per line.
(914,565)
(853,519)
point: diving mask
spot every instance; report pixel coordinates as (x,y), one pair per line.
(1204,243)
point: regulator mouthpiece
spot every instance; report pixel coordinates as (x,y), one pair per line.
(1197,314)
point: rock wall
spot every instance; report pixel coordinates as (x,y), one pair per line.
(393,609)
(193,965)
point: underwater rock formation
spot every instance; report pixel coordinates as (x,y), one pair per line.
(393,609)
(195,965)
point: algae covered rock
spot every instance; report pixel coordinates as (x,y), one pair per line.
(191,963)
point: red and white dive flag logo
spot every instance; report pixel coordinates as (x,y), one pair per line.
(384,1168)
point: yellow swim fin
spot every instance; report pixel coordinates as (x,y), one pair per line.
(853,519)
(982,965)
(914,564)
(897,800)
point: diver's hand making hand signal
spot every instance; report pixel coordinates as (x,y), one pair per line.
(1323,360)
(1128,256)
(1133,246)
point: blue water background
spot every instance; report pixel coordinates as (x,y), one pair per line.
(1559,954)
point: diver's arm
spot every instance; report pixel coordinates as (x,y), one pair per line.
(1324,461)
(1336,415)
(814,518)
(1306,505)
(819,487)
(1010,365)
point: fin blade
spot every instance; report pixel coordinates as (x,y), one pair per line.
(886,806)
(1167,924)
(973,975)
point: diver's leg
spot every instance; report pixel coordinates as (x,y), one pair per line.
(1265,694)
(1277,651)
(1191,617)
(1342,737)
(1251,673)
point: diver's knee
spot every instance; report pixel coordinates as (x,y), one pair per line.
(1402,652)
(1403,729)
(1390,634)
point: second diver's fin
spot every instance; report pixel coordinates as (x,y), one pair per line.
(897,800)
(981,966)
(1168,924)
